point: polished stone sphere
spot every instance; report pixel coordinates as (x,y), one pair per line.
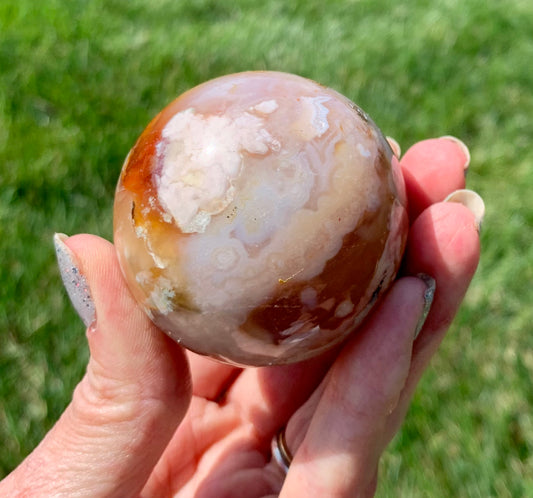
(259,217)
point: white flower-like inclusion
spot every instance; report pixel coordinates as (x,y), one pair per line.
(201,157)
(272,176)
(320,113)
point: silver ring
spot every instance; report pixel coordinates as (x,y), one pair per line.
(280,451)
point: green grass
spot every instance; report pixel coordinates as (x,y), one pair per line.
(79,81)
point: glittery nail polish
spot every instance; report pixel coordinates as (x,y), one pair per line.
(472,200)
(395,146)
(74,281)
(429,294)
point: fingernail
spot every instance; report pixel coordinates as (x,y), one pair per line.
(74,281)
(463,147)
(395,146)
(472,200)
(429,294)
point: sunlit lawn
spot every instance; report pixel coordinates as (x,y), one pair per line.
(80,80)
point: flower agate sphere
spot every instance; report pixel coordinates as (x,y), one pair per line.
(259,217)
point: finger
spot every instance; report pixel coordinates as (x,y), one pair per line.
(443,243)
(432,169)
(342,445)
(134,394)
(210,378)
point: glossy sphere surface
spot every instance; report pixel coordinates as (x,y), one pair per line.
(258,218)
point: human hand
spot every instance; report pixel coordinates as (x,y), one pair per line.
(150,419)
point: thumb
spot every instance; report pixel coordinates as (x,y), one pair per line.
(133,396)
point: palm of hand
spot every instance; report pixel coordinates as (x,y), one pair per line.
(228,428)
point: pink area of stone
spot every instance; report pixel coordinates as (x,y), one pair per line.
(259,217)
